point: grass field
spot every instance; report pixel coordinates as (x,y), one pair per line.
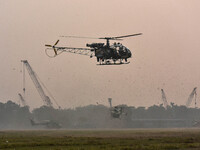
(137,139)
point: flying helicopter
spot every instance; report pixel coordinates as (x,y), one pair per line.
(105,53)
(116,111)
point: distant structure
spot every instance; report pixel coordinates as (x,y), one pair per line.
(191,96)
(110,102)
(47,101)
(164,99)
(22,100)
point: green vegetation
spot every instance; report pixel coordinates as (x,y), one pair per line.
(148,139)
(13,116)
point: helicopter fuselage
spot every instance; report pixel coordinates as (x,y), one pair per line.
(113,52)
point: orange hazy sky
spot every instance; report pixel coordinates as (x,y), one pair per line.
(165,56)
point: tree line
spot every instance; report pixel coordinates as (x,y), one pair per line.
(14,116)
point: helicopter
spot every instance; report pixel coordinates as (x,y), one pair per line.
(116,111)
(49,124)
(105,54)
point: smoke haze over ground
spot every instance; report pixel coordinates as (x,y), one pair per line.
(165,56)
(12,116)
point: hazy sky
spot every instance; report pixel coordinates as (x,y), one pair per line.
(165,56)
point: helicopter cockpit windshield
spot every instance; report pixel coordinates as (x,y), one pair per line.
(121,50)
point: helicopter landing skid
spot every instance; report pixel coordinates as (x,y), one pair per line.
(121,63)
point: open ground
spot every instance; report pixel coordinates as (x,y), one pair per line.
(127,139)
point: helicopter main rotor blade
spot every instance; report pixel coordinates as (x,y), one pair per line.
(106,38)
(82,37)
(126,36)
(110,38)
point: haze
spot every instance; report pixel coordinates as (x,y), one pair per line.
(165,56)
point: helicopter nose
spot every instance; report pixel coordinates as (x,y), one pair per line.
(129,54)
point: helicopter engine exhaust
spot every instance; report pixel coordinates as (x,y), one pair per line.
(95,45)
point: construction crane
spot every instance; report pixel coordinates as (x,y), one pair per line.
(191,96)
(22,99)
(47,101)
(164,99)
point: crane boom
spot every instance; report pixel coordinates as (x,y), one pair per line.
(191,96)
(164,99)
(36,82)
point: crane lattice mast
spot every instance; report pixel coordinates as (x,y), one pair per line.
(191,96)
(36,82)
(164,99)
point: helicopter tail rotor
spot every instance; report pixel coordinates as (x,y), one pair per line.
(54,48)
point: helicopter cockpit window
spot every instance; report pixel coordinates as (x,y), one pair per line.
(120,48)
(117,45)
